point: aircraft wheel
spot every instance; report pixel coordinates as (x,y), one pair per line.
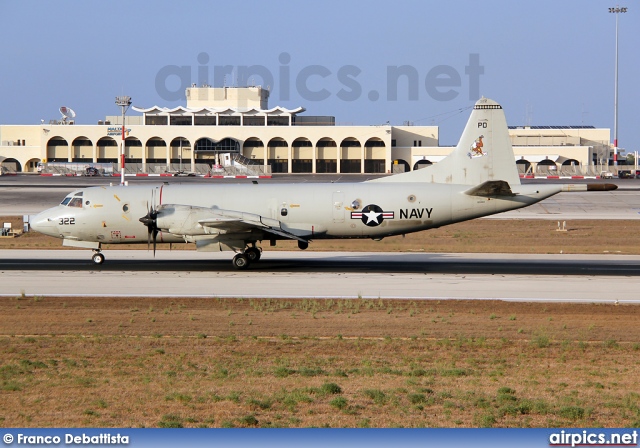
(240,261)
(253,254)
(98,258)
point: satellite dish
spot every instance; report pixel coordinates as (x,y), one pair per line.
(67,112)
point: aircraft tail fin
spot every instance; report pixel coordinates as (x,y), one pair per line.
(484,153)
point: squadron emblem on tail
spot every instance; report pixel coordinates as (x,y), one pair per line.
(476,148)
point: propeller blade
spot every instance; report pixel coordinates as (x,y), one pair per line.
(151,221)
(155,234)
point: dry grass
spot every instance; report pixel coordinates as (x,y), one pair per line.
(479,236)
(296,363)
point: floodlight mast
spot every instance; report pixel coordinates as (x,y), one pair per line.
(617,10)
(124,102)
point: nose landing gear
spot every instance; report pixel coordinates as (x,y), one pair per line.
(97,257)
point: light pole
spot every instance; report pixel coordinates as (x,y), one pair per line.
(616,11)
(124,102)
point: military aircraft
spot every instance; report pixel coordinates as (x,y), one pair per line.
(478,178)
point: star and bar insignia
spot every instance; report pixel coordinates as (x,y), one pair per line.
(372,215)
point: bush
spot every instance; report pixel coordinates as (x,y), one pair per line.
(376,395)
(330,389)
(571,412)
(249,420)
(506,390)
(283,372)
(339,402)
(487,421)
(170,421)
(262,404)
(541,341)
(417,398)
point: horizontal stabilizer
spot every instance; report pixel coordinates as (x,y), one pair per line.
(491,188)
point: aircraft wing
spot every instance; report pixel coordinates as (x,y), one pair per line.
(491,188)
(233,220)
(191,220)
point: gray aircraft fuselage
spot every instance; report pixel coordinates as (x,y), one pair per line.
(311,211)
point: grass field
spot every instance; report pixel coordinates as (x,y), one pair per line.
(134,362)
(298,363)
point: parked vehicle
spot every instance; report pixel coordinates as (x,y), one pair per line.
(626,174)
(91,171)
(606,175)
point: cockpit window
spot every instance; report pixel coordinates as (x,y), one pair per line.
(73,200)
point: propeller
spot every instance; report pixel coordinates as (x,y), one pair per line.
(151,221)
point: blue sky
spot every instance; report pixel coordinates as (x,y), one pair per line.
(546,62)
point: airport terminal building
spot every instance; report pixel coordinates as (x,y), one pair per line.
(237,121)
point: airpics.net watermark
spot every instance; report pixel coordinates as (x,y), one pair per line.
(313,82)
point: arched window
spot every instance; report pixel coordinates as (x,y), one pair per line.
(224,145)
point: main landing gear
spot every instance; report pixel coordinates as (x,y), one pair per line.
(97,257)
(250,255)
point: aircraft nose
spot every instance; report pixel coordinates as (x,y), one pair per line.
(44,223)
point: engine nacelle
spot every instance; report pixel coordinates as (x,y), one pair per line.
(183,220)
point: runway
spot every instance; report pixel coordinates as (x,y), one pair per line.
(571,278)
